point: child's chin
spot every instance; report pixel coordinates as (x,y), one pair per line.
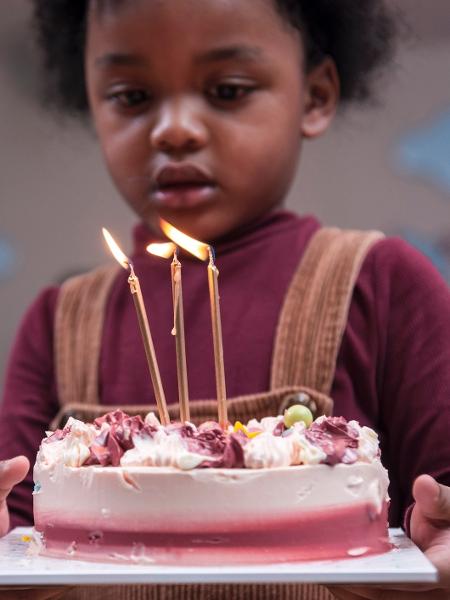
(207,226)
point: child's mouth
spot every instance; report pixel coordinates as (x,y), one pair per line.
(182,185)
(183,194)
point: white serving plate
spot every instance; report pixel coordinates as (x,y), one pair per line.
(404,564)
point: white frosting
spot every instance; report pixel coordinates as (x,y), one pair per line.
(152,420)
(266,424)
(161,450)
(368,445)
(50,453)
(187,500)
(302,451)
(368,448)
(267,451)
(76,454)
(73,449)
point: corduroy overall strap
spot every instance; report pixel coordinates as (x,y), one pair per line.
(78,331)
(315,310)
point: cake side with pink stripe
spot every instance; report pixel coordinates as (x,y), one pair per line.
(212,516)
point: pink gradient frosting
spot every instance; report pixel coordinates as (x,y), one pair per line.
(304,494)
(330,533)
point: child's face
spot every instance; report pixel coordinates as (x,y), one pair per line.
(199,106)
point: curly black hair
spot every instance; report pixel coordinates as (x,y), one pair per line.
(359,35)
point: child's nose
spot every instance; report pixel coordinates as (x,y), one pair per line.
(178,129)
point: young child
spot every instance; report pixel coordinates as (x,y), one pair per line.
(201,109)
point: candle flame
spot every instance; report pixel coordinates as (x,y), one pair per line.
(121,258)
(198,249)
(165,250)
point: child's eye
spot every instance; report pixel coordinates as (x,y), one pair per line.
(128,99)
(229,92)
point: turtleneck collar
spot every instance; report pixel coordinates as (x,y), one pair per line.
(273,221)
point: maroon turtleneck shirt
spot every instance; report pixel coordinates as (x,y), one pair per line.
(393,368)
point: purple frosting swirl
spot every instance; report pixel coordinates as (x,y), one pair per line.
(111,443)
(336,438)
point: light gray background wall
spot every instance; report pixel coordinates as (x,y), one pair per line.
(55,195)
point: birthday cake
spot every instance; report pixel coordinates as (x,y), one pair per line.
(128,489)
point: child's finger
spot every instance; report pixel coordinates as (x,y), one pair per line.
(433,499)
(12,472)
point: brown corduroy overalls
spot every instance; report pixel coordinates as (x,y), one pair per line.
(308,337)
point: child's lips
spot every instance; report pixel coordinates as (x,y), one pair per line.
(183,195)
(182,185)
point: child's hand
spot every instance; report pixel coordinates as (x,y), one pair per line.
(430,530)
(11,473)
(430,524)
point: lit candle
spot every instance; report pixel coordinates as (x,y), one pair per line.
(203,252)
(214,300)
(166,250)
(136,293)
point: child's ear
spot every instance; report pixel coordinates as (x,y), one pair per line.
(321,98)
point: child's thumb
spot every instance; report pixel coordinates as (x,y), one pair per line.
(433,498)
(12,472)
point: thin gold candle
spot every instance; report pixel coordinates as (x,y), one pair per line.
(214,300)
(180,343)
(144,327)
(166,251)
(203,252)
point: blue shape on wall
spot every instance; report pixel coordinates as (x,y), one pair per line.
(7,259)
(426,151)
